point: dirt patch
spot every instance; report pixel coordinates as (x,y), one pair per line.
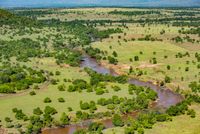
(148,65)
(189,46)
(119,69)
(65,65)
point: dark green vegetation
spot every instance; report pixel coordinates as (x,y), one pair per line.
(16,78)
(134,13)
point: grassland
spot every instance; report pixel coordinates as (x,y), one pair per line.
(26,102)
(164,51)
(181,125)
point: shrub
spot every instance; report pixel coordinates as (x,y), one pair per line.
(32,93)
(116,88)
(57,73)
(61,87)
(47,100)
(69,109)
(7,119)
(37,111)
(187,69)
(50,110)
(96,127)
(136,58)
(167,79)
(36,87)
(53,81)
(168,67)
(117,121)
(61,100)
(99,91)
(64,119)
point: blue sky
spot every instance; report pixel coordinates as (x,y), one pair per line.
(44,3)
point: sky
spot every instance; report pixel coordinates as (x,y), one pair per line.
(68,3)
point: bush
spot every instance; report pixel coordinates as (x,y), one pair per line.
(84,106)
(57,73)
(192,113)
(37,111)
(61,87)
(167,79)
(168,67)
(7,119)
(64,119)
(187,69)
(116,88)
(162,117)
(36,87)
(53,81)
(117,121)
(47,100)
(136,58)
(61,100)
(32,93)
(69,109)
(96,127)
(9,125)
(99,91)
(50,110)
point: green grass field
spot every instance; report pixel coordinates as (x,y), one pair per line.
(27,103)
(156,49)
(180,125)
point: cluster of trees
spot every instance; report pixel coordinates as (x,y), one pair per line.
(15,78)
(96,78)
(191,31)
(91,106)
(145,121)
(38,120)
(106,33)
(94,52)
(149,38)
(195,87)
(189,24)
(134,13)
(67,56)
(7,18)
(14,48)
(181,55)
(79,85)
(185,13)
(178,39)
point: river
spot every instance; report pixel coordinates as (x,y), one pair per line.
(166,98)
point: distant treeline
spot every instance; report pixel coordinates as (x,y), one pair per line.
(133,13)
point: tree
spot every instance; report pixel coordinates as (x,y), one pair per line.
(50,110)
(114,54)
(96,127)
(136,58)
(32,93)
(167,79)
(168,67)
(47,100)
(61,87)
(65,120)
(37,111)
(117,121)
(61,100)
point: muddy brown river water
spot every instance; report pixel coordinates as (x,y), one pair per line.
(166,98)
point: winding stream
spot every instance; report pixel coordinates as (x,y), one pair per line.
(166,98)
